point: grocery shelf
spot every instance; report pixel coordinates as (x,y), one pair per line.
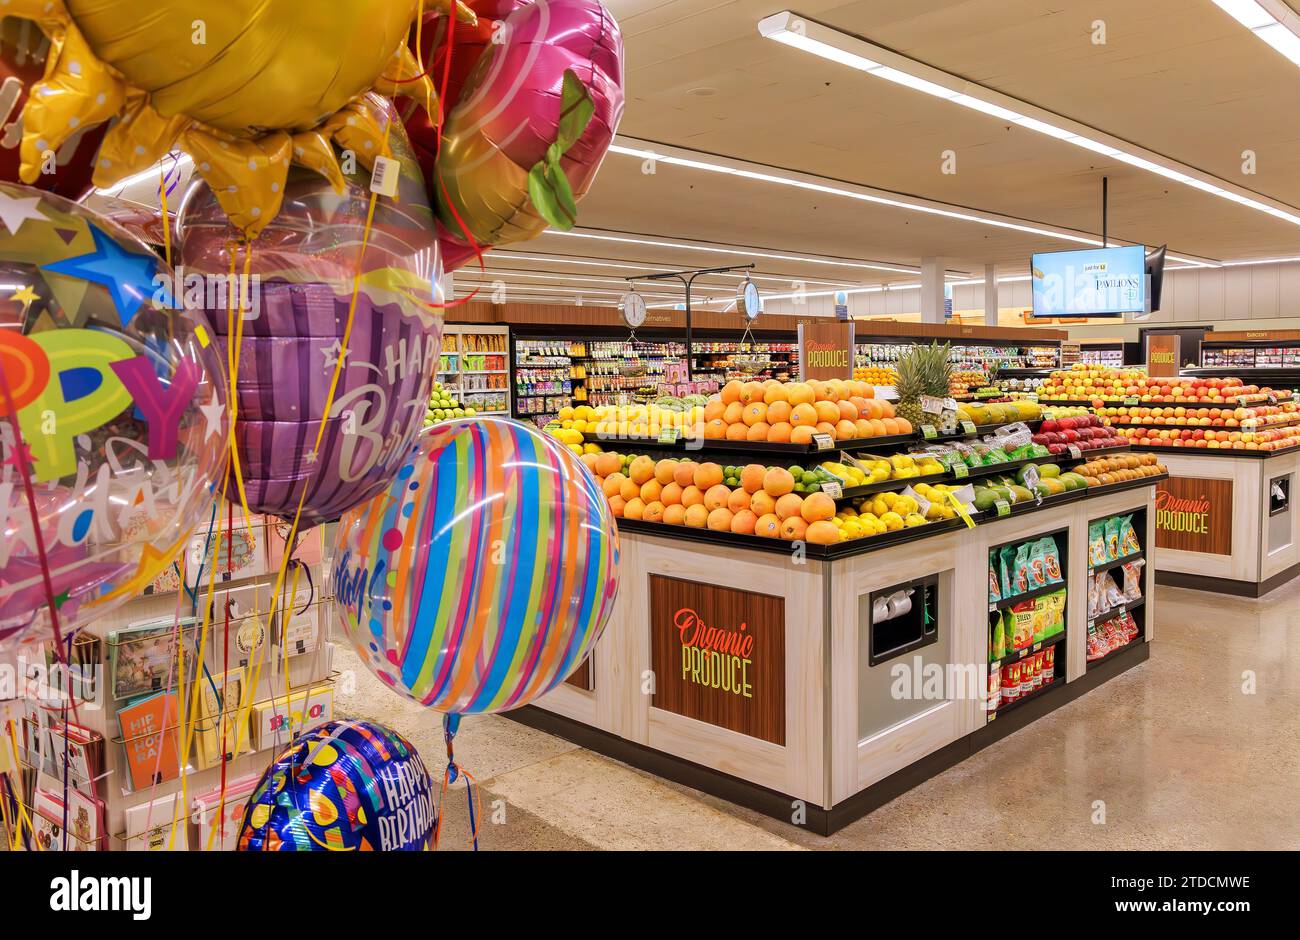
(1130,402)
(1117,610)
(1097,569)
(1056,683)
(1263,426)
(1214,452)
(1136,641)
(695,445)
(1038,647)
(1026,596)
(895,483)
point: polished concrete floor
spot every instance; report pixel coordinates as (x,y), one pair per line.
(1198,748)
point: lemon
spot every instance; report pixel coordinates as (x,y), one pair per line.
(893,521)
(914,519)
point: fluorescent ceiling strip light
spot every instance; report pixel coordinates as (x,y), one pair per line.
(747,252)
(1270,20)
(647,268)
(671,159)
(817,39)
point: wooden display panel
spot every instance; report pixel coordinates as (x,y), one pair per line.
(718,656)
(826,349)
(1162,354)
(1194,514)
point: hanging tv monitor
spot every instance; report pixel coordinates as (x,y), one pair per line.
(1095,282)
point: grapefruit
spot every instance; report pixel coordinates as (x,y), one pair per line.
(778,481)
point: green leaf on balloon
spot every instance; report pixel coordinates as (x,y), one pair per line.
(548,187)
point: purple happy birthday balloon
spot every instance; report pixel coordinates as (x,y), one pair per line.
(294,328)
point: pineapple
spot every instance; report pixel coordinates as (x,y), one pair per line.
(925,370)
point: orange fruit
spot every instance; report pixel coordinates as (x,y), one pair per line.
(758,432)
(664,470)
(871,408)
(866,391)
(791,504)
(774,392)
(845,430)
(822,533)
(714,409)
(696,516)
(743,522)
(716,496)
(628,489)
(768,525)
(738,500)
(886,408)
(720,519)
(799,393)
(692,496)
(778,481)
(730,392)
(754,412)
(716,430)
(706,475)
(848,410)
(641,469)
(827,411)
(819,389)
(589,461)
(793,529)
(654,512)
(802,434)
(778,411)
(651,491)
(863,427)
(675,515)
(613,484)
(751,477)
(816,508)
(751,392)
(779,433)
(762,504)
(737,431)
(825,427)
(608,463)
(878,427)
(684,475)
(904,426)
(733,413)
(616,505)
(803,414)
(634,509)
(891,426)
(671,494)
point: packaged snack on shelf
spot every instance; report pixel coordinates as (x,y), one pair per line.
(1094,602)
(1042,614)
(995,585)
(1010,683)
(1022,568)
(1097,543)
(1037,571)
(1035,664)
(1049,664)
(1133,579)
(995,690)
(1055,613)
(1096,643)
(1022,624)
(1112,538)
(1128,537)
(1007,567)
(1111,595)
(997,639)
(1051,559)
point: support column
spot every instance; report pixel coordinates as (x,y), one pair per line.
(990,295)
(932,270)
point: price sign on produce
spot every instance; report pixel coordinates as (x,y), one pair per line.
(669,435)
(933,406)
(928,432)
(968,427)
(823,442)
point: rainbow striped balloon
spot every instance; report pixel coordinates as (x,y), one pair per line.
(482,577)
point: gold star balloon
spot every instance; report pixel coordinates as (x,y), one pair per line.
(246,87)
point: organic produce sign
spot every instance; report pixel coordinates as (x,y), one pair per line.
(718,656)
(1194,515)
(826,349)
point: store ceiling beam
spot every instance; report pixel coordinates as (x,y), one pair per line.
(1271,20)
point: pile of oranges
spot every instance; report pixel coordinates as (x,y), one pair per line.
(792,412)
(685,493)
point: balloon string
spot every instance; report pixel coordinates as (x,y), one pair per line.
(450,725)
(20,460)
(419,31)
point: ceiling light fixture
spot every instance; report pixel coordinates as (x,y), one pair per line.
(505,254)
(1270,20)
(813,37)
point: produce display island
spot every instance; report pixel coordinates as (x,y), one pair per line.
(811,628)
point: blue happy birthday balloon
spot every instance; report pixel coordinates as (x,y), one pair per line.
(342,786)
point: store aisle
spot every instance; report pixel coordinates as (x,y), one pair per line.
(1178,753)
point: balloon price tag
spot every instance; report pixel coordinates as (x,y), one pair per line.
(384,178)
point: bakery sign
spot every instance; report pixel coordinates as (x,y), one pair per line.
(1194,515)
(718,656)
